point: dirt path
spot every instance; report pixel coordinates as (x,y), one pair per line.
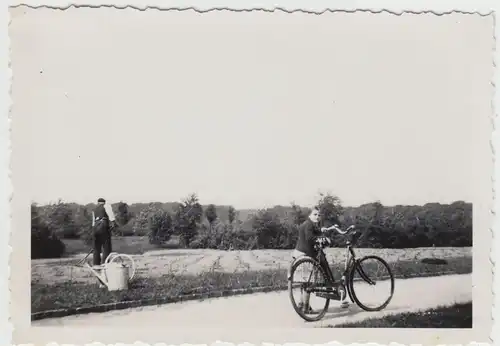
(274,309)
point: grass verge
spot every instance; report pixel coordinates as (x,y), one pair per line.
(456,316)
(132,245)
(71,295)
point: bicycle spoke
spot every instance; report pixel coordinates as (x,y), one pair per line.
(306,279)
(374,287)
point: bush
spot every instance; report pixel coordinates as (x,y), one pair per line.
(141,222)
(224,236)
(126,230)
(123,215)
(206,238)
(211,214)
(268,229)
(231,214)
(187,218)
(160,227)
(60,219)
(432,224)
(44,242)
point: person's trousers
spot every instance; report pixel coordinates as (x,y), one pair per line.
(102,241)
(322,262)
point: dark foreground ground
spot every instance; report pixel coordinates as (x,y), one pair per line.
(456,316)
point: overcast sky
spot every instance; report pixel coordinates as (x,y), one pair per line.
(252,109)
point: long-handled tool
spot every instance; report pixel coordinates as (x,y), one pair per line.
(112,257)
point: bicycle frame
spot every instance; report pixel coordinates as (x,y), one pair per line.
(350,257)
(350,260)
(349,263)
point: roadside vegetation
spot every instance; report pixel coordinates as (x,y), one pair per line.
(61,229)
(171,284)
(456,316)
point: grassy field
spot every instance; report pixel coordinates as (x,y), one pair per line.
(56,283)
(47,293)
(456,316)
(133,245)
(156,263)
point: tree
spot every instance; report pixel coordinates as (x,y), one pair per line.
(160,227)
(231,214)
(83,223)
(187,217)
(398,226)
(82,219)
(268,228)
(330,208)
(59,218)
(211,214)
(122,216)
(299,215)
(44,242)
(142,221)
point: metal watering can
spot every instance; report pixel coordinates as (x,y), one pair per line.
(114,275)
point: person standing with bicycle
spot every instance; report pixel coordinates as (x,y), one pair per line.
(103,221)
(309,234)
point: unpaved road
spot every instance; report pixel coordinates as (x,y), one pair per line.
(274,310)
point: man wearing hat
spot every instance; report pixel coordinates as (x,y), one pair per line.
(102,219)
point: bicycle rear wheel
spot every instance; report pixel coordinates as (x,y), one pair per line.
(368,274)
(306,275)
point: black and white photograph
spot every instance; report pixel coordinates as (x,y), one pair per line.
(251,170)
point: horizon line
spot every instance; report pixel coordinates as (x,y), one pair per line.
(247,208)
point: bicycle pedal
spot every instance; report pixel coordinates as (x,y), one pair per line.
(329,295)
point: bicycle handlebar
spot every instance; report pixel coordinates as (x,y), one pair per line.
(336,228)
(324,241)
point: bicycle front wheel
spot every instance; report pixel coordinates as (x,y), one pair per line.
(306,280)
(371,283)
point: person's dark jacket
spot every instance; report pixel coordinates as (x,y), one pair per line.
(100,212)
(101,220)
(308,232)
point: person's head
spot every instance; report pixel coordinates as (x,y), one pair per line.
(101,201)
(314,216)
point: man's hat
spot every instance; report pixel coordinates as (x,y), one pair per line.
(101,200)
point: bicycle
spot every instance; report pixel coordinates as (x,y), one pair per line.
(329,288)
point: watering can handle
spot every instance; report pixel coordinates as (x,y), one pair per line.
(114,255)
(110,257)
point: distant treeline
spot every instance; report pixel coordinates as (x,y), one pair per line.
(224,227)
